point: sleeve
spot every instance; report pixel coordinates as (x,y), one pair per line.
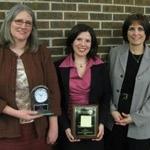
(142,115)
(2,105)
(63,119)
(110,68)
(107,93)
(51,81)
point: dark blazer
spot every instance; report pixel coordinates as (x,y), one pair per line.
(99,94)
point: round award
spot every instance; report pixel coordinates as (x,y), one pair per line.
(41,95)
(40,99)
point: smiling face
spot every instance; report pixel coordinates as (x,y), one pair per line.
(21,27)
(82,44)
(136,34)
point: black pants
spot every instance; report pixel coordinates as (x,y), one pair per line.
(120,141)
(64,144)
(107,139)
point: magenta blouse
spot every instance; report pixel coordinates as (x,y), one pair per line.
(79,87)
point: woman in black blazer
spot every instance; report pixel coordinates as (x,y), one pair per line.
(83,80)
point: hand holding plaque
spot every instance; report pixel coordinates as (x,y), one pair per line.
(40,100)
(85,121)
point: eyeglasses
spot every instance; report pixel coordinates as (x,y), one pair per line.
(21,22)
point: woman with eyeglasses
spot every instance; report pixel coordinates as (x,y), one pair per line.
(25,65)
(130,78)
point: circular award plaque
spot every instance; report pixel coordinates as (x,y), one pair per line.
(41,94)
(40,99)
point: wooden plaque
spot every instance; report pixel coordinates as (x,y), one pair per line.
(85,121)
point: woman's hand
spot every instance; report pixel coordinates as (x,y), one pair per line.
(126,120)
(53,130)
(27,115)
(70,136)
(121,119)
(117,116)
(100,133)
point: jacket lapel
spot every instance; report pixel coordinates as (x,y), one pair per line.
(65,77)
(124,56)
(145,63)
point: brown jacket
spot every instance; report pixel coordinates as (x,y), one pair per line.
(39,70)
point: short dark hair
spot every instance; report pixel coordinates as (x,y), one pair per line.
(74,32)
(143,21)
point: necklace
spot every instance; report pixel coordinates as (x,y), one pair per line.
(137,54)
(137,58)
(81,65)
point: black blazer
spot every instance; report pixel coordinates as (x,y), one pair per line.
(100,92)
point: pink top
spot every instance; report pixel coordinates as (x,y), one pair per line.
(79,87)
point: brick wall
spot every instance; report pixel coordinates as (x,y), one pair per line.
(56,17)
